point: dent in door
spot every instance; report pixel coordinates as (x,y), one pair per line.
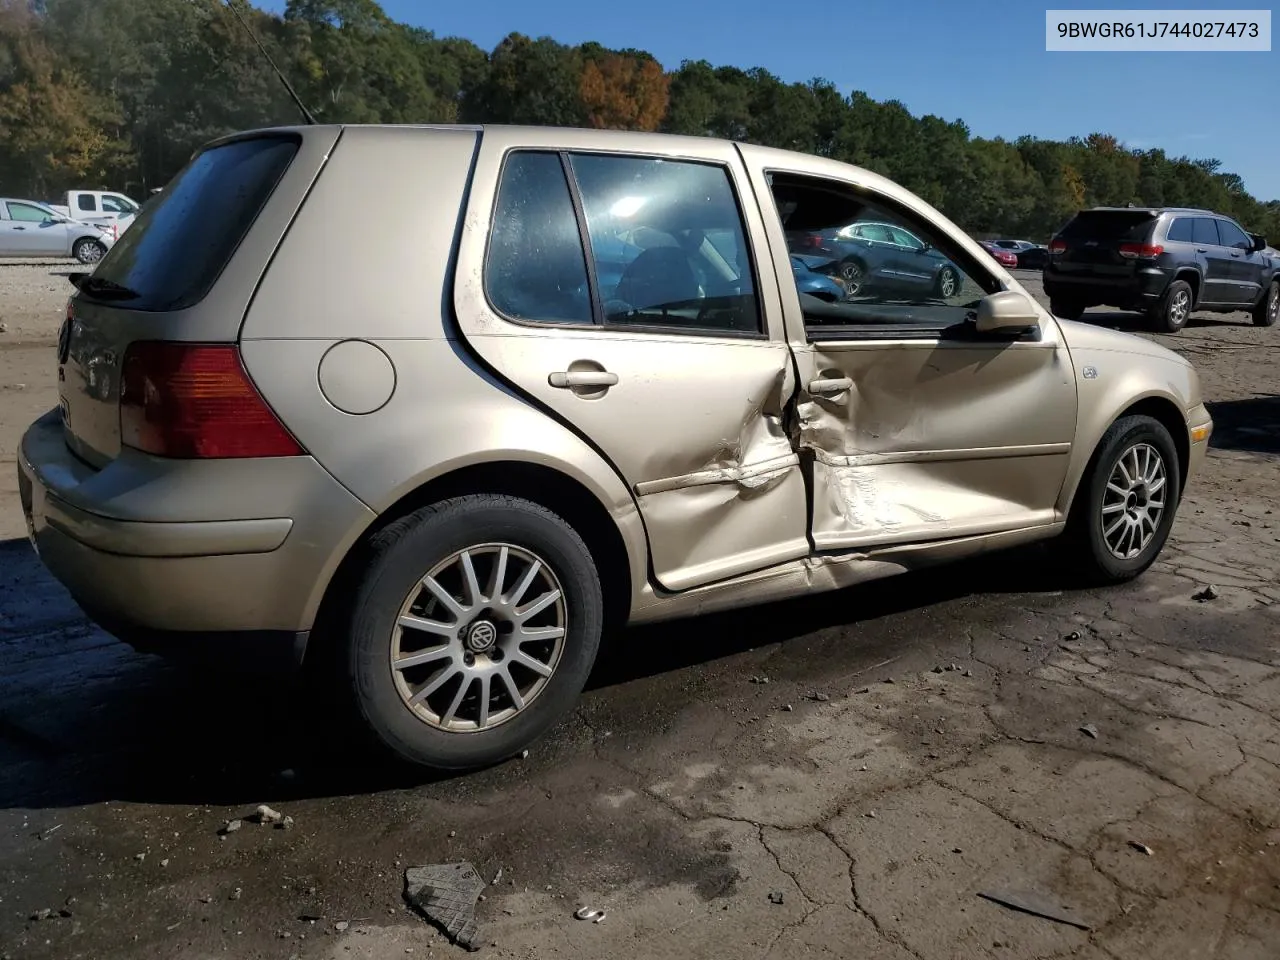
(934,440)
(742,508)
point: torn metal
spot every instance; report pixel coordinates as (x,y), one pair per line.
(446,894)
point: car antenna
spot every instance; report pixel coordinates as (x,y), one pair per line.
(302,107)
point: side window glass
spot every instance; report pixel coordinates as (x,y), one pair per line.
(878,232)
(1181,231)
(855,287)
(668,243)
(904,239)
(115,205)
(85,202)
(535,268)
(1205,232)
(1233,236)
(27,213)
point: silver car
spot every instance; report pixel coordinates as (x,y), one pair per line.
(565,382)
(31,229)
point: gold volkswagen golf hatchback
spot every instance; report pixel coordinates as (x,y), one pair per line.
(452,404)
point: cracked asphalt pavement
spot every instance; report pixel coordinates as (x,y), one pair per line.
(840,776)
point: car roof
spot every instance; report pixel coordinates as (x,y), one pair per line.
(806,164)
(1154,211)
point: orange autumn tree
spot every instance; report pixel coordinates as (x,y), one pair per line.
(621,91)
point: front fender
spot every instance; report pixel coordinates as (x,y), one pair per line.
(1112,379)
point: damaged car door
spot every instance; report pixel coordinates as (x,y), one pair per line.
(591,283)
(920,427)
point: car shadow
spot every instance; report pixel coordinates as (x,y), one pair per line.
(1252,424)
(85,718)
(1137,323)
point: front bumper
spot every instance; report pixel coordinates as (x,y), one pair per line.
(1200,429)
(172,553)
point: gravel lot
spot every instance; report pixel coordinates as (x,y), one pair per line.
(854,805)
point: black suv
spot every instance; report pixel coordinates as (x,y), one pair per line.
(1162,262)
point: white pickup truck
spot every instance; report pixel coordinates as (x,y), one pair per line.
(99,206)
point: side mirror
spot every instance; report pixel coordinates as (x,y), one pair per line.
(1006,311)
(1259,242)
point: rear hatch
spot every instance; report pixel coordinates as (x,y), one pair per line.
(183,272)
(1090,244)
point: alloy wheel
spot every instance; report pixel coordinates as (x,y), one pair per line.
(1133,502)
(479,637)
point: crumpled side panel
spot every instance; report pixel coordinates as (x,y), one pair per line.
(935,441)
(743,509)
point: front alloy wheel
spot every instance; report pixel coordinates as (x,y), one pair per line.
(1125,504)
(1133,501)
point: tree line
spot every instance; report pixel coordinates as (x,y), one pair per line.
(118,93)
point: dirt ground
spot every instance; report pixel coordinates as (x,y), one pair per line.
(841,776)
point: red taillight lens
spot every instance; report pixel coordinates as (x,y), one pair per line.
(195,401)
(813,241)
(1058,246)
(1140,251)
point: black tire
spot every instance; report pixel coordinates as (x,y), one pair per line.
(88,250)
(404,553)
(944,275)
(1087,553)
(1066,309)
(1268,308)
(854,274)
(1174,309)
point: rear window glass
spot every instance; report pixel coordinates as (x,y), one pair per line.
(1109,225)
(174,251)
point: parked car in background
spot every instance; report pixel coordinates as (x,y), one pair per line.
(1006,258)
(449,472)
(31,229)
(1163,262)
(874,257)
(98,206)
(1031,256)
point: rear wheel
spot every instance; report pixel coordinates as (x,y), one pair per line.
(1125,505)
(88,250)
(473,630)
(1066,309)
(1174,309)
(1267,311)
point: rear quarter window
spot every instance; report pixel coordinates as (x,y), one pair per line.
(173,253)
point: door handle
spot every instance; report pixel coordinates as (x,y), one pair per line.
(1235,255)
(19,228)
(569,379)
(829,386)
(1201,250)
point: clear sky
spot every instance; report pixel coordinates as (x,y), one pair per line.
(980,61)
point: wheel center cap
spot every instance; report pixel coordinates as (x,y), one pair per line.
(481,636)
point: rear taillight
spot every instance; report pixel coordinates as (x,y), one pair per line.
(195,401)
(1140,251)
(813,241)
(1058,246)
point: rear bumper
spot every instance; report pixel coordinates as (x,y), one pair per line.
(183,553)
(1141,289)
